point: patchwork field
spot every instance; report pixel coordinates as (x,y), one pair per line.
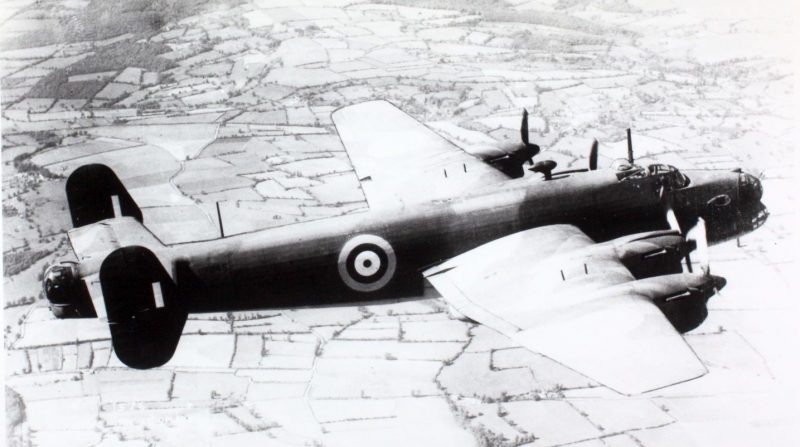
(229,103)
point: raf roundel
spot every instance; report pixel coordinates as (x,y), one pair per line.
(367,263)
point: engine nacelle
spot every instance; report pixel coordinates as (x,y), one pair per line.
(682,297)
(508,158)
(67,294)
(655,253)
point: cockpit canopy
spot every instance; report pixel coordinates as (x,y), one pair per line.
(668,176)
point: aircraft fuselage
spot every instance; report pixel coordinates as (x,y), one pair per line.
(380,252)
(307,263)
(146,289)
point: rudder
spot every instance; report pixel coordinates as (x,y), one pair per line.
(145,313)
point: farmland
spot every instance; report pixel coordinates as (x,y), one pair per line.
(197,104)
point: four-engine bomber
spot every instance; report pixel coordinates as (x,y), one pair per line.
(567,263)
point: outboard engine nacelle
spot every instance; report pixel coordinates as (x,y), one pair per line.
(67,294)
(681,297)
(686,309)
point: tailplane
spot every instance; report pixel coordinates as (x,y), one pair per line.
(123,273)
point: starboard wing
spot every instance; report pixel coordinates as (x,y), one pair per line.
(549,290)
(397,158)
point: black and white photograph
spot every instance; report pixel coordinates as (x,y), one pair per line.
(336,223)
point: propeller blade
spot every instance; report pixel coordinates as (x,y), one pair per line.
(630,147)
(593,156)
(698,234)
(672,219)
(524,128)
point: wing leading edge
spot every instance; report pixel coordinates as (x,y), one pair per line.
(556,292)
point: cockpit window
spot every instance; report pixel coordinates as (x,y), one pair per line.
(668,176)
(660,169)
(627,171)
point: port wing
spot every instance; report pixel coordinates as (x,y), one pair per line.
(400,160)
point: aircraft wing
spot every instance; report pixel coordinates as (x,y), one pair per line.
(397,158)
(552,292)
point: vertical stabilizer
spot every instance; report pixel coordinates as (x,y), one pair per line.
(95,193)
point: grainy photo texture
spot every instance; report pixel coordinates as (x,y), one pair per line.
(400,222)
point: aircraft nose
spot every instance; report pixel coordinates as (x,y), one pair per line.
(750,189)
(762,216)
(753,212)
(718,282)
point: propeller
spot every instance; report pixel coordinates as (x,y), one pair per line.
(696,234)
(593,153)
(672,219)
(593,156)
(630,146)
(699,236)
(529,148)
(510,157)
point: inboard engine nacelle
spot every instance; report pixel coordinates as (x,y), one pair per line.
(654,253)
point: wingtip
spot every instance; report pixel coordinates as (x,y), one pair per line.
(631,389)
(363,104)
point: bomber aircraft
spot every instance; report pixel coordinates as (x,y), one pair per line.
(585,266)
